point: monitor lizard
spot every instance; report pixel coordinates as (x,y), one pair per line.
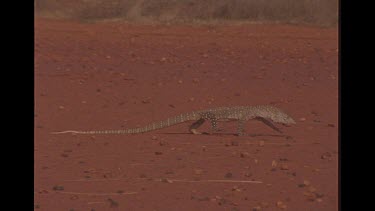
(264,113)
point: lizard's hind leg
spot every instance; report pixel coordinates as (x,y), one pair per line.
(195,125)
(241,127)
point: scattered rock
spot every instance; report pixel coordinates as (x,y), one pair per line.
(248,174)
(261,143)
(264,204)
(257,208)
(64,155)
(312,189)
(302,119)
(146,101)
(244,154)
(228,175)
(61,107)
(58,188)
(284,166)
(43,191)
(166,180)
(314,113)
(198,171)
(236,188)
(234,143)
(169,172)
(310,196)
(281,205)
(326,155)
(162,143)
(113,203)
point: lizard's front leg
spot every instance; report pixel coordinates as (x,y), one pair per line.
(269,123)
(213,120)
(193,128)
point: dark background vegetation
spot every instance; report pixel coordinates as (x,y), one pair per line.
(316,12)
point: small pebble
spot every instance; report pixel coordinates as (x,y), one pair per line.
(166,180)
(261,143)
(281,205)
(312,189)
(326,155)
(257,208)
(236,188)
(234,143)
(228,175)
(284,166)
(58,187)
(113,203)
(244,154)
(198,171)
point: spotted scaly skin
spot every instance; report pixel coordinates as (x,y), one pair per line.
(265,113)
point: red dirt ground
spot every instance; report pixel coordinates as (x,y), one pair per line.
(116,75)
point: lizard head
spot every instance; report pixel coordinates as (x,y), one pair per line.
(278,116)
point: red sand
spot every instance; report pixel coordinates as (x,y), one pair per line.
(117,75)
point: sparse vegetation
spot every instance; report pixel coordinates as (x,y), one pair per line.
(317,12)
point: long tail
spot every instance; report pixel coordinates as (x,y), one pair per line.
(153,126)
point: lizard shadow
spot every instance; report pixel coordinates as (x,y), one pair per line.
(228,134)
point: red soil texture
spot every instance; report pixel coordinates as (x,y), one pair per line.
(117,75)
